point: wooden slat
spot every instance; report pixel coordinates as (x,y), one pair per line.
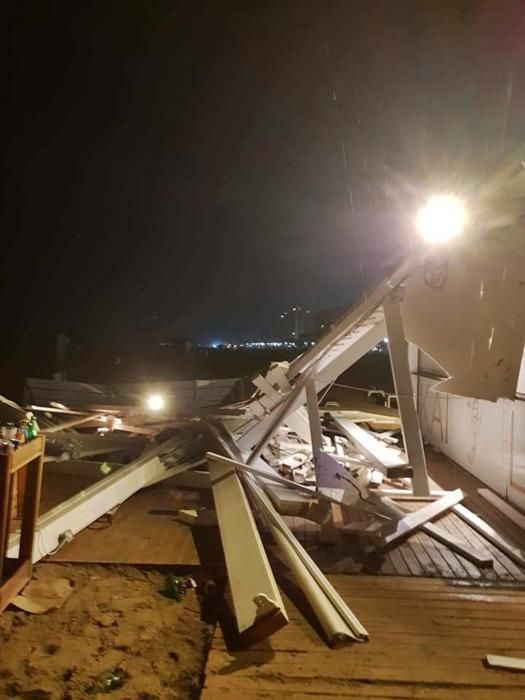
(490,534)
(509,663)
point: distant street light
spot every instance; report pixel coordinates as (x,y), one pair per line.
(441,219)
(155,402)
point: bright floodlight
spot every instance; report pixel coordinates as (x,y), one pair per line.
(441,219)
(155,402)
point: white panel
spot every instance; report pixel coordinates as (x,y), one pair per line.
(516,487)
(466,309)
(487,439)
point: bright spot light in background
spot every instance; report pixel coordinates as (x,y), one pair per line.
(155,402)
(441,219)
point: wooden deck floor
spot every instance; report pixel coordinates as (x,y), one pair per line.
(145,531)
(419,554)
(428,639)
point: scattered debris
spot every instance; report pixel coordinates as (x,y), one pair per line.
(507,663)
(176,586)
(108,681)
(43,595)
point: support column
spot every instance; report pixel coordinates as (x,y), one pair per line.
(328,531)
(316,433)
(398,349)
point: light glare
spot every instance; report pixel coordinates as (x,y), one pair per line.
(155,402)
(441,219)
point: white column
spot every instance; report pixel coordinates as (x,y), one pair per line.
(316,433)
(398,349)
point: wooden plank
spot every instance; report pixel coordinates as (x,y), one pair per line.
(473,570)
(503,507)
(414,520)
(31,504)
(257,602)
(434,552)
(411,559)
(499,570)
(508,663)
(399,564)
(421,553)
(382,456)
(5,509)
(27,453)
(490,534)
(476,556)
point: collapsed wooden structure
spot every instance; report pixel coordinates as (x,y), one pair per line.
(273,456)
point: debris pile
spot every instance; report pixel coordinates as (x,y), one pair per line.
(271,456)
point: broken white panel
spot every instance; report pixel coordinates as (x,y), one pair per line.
(485,438)
(336,482)
(271,397)
(466,309)
(377,452)
(337,358)
(259,608)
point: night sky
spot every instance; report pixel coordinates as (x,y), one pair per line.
(198,167)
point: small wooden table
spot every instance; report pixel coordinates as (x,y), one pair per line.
(16,572)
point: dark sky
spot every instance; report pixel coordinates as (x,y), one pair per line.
(200,166)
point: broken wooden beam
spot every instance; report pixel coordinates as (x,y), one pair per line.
(258,606)
(475,556)
(339,622)
(412,521)
(506,663)
(386,459)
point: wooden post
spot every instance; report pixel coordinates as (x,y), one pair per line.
(27,460)
(398,349)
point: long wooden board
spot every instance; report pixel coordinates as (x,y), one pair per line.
(257,602)
(490,534)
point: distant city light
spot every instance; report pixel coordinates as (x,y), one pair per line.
(155,402)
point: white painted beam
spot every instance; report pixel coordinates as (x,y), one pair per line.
(398,349)
(507,663)
(71,516)
(412,521)
(382,456)
(466,551)
(259,609)
(312,405)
